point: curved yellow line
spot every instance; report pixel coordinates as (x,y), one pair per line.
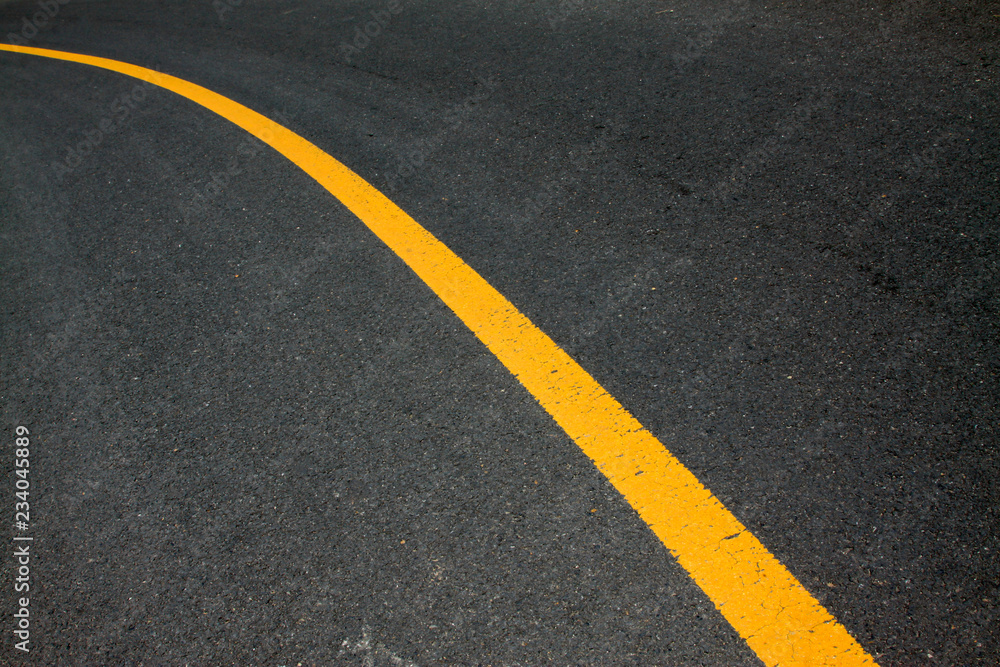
(777,617)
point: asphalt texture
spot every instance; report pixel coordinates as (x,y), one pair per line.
(769,229)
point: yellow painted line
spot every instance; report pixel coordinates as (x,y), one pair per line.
(773,612)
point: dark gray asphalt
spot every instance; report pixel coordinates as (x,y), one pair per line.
(770,230)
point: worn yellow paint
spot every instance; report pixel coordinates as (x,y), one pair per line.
(772,611)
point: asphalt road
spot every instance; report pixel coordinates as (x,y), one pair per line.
(769,230)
